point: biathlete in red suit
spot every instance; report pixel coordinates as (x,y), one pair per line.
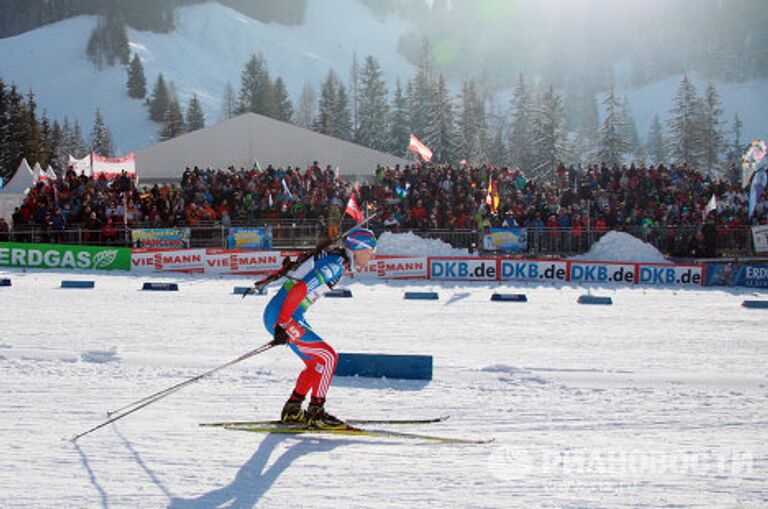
(284,319)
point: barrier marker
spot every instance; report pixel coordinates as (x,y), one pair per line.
(78,284)
(755,304)
(242,290)
(509,297)
(409,367)
(421,296)
(5,282)
(342,293)
(594,299)
(161,287)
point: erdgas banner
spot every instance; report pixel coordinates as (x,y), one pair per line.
(54,256)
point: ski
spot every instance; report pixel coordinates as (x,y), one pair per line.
(354,422)
(353,431)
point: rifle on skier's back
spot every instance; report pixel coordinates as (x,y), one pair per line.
(289,265)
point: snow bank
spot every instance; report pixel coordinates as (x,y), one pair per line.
(410,244)
(100,357)
(622,247)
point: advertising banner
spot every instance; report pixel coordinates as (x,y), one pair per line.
(258,239)
(506,239)
(463,269)
(112,167)
(760,238)
(668,275)
(397,267)
(56,256)
(602,272)
(183,260)
(533,270)
(737,274)
(219,261)
(160,238)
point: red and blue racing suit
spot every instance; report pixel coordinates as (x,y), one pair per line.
(303,287)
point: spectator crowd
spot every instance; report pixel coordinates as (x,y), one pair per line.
(661,204)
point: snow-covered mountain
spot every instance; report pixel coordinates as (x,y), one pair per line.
(211,44)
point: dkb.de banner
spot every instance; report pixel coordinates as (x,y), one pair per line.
(737,274)
(56,256)
(506,239)
(161,238)
(257,239)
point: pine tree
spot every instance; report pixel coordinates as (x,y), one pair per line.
(341,119)
(229,102)
(305,112)
(160,100)
(498,155)
(195,115)
(374,109)
(137,82)
(613,143)
(101,138)
(473,129)
(712,135)
(173,121)
(16,127)
(255,87)
(6,172)
(656,147)
(630,128)
(283,107)
(399,133)
(420,99)
(79,148)
(737,125)
(548,121)
(684,124)
(442,133)
(354,88)
(324,121)
(521,130)
(33,140)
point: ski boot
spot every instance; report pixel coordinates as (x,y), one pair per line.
(318,418)
(292,412)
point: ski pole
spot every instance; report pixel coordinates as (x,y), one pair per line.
(139,404)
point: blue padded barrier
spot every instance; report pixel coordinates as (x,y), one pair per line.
(509,297)
(421,296)
(241,290)
(409,367)
(78,284)
(161,287)
(755,304)
(5,282)
(342,293)
(594,299)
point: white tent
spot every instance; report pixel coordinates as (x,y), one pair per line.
(12,195)
(242,140)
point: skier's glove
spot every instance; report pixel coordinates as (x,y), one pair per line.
(281,337)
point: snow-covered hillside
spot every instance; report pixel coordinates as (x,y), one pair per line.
(212,43)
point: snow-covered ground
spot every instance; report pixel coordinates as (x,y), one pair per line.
(660,400)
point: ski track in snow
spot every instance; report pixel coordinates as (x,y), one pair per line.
(577,398)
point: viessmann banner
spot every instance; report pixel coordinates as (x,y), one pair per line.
(57,256)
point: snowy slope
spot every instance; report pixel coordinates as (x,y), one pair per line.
(212,43)
(209,48)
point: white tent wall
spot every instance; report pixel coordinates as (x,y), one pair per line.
(249,137)
(12,195)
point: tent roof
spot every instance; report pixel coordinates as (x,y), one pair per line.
(20,182)
(242,140)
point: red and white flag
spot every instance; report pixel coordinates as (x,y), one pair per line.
(353,210)
(417,146)
(712,205)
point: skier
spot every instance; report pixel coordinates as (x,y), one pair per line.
(284,319)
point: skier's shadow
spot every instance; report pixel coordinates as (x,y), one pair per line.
(253,480)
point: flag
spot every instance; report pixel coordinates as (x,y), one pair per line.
(751,158)
(353,210)
(492,196)
(759,182)
(417,146)
(402,192)
(271,203)
(38,174)
(712,205)
(285,188)
(463,162)
(50,173)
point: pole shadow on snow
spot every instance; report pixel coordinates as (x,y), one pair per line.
(253,480)
(139,461)
(92,476)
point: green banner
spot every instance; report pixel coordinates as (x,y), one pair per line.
(55,256)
